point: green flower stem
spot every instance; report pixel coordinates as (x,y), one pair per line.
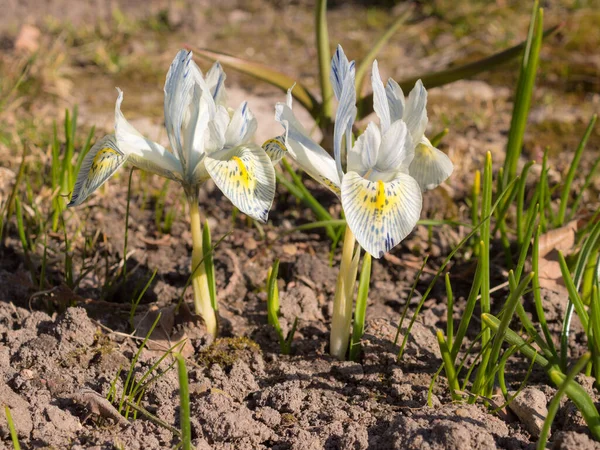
(324,55)
(202,302)
(342,303)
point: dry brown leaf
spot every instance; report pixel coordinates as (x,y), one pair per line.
(549,272)
(561,239)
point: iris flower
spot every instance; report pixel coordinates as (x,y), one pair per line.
(379,178)
(208,141)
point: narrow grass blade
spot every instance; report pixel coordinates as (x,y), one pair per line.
(184,405)
(273,298)
(435,79)
(324,58)
(566,189)
(522,184)
(524,92)
(264,73)
(360,312)
(209,265)
(450,312)
(368,59)
(136,302)
(437,139)
(13,431)
(555,402)
(448,366)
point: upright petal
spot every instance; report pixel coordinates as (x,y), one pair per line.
(178,95)
(100,163)
(340,68)
(344,119)
(144,153)
(430,166)
(395,98)
(241,128)
(363,156)
(215,81)
(415,114)
(246,176)
(381,214)
(380,102)
(309,155)
(217,126)
(396,151)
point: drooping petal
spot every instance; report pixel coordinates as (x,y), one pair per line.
(395,98)
(178,96)
(363,156)
(144,153)
(396,150)
(215,80)
(246,176)
(430,166)
(415,113)
(100,163)
(275,148)
(344,119)
(380,102)
(381,214)
(340,67)
(309,155)
(241,128)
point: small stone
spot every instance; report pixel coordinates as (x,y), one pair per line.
(530,406)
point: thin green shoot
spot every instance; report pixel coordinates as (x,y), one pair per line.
(566,188)
(135,303)
(521,188)
(126,234)
(184,404)
(360,311)
(285,342)
(437,139)
(448,366)
(554,405)
(324,58)
(209,265)
(450,311)
(7,210)
(524,92)
(11,427)
(409,298)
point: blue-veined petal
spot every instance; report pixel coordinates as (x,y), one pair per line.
(215,81)
(381,214)
(241,128)
(142,152)
(430,166)
(178,95)
(217,127)
(340,67)
(415,112)
(246,176)
(275,148)
(395,98)
(396,151)
(309,155)
(380,102)
(344,119)
(100,163)
(363,156)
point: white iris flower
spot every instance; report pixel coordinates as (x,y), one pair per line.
(207,139)
(380,177)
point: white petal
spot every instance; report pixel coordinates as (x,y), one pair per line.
(344,119)
(178,95)
(415,114)
(215,80)
(142,152)
(363,156)
(395,98)
(309,155)
(100,163)
(242,127)
(275,148)
(380,103)
(340,68)
(396,150)
(246,176)
(381,214)
(430,166)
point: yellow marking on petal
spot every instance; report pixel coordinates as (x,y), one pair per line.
(243,171)
(103,160)
(380,199)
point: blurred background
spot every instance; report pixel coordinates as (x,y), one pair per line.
(55,54)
